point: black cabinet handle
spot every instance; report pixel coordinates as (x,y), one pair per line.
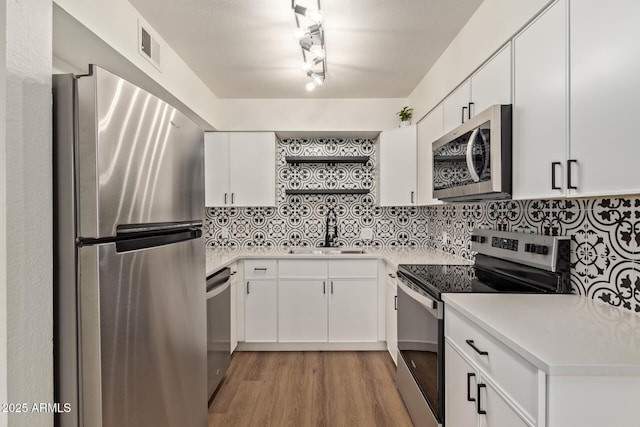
(463,108)
(225,198)
(553,176)
(260,268)
(481,411)
(324,287)
(232,197)
(247,287)
(412,194)
(232,273)
(392,276)
(473,346)
(469,111)
(569,184)
(332,286)
(395,302)
(469,375)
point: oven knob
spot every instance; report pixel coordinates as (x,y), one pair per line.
(542,250)
(530,247)
(478,239)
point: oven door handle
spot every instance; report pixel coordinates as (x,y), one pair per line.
(218,290)
(435,307)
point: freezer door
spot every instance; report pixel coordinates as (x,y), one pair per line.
(138,159)
(143,342)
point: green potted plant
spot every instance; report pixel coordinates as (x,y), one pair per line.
(405,116)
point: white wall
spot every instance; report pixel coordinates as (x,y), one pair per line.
(26,325)
(116,23)
(310,114)
(495,22)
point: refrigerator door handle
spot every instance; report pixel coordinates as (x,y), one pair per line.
(157,240)
(158,226)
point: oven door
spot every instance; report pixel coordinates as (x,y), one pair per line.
(421,350)
(473,161)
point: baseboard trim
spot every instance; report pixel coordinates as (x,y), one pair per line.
(312,346)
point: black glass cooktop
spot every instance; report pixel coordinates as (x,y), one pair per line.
(435,279)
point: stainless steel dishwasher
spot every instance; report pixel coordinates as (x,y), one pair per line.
(218,327)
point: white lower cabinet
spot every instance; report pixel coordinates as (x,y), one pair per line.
(233,285)
(486,383)
(470,400)
(302,311)
(292,301)
(460,392)
(353,310)
(391,314)
(261,311)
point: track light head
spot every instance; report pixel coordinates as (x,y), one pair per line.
(313,14)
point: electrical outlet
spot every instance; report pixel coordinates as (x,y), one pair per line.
(224,233)
(366,233)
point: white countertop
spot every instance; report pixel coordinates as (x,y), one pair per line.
(559,334)
(393,255)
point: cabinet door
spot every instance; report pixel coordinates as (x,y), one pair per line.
(398,167)
(302,311)
(430,128)
(491,84)
(392,318)
(498,412)
(461,381)
(234,283)
(261,311)
(252,169)
(216,168)
(453,107)
(605,90)
(353,310)
(540,106)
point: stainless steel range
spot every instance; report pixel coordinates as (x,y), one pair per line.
(506,262)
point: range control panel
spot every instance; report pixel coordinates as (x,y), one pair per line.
(508,244)
(531,249)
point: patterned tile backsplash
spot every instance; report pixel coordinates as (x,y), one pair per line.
(605,233)
(299,220)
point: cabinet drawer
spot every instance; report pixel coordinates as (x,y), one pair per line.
(356,268)
(514,375)
(303,269)
(260,269)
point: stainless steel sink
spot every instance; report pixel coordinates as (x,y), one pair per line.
(326,251)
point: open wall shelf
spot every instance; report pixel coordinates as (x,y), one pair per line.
(329,191)
(326,159)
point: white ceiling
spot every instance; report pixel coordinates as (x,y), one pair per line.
(246,48)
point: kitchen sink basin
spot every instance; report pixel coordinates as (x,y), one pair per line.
(325,251)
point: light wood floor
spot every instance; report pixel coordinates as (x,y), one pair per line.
(309,389)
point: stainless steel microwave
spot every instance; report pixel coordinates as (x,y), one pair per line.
(473,162)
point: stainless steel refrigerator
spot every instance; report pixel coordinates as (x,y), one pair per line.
(130,319)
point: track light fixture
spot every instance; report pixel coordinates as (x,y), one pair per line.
(310,35)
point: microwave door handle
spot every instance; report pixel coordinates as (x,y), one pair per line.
(472,169)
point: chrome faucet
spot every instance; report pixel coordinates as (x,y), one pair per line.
(331,229)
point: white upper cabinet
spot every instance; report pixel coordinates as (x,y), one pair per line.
(540,129)
(398,167)
(491,84)
(216,168)
(456,107)
(430,128)
(240,169)
(605,91)
(488,86)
